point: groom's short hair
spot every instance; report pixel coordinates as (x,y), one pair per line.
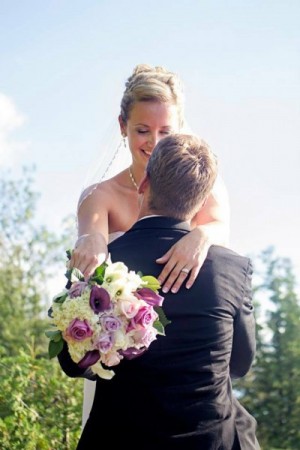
(181,170)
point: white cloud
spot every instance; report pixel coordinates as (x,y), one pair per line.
(10,120)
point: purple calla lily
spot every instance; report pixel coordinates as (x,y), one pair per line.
(149,296)
(89,359)
(132,352)
(99,299)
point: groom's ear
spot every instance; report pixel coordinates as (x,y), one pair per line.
(144,184)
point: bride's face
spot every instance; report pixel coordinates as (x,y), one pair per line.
(147,124)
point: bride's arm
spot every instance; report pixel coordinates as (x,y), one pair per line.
(91,246)
(211,226)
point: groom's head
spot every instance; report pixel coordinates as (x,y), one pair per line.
(179,177)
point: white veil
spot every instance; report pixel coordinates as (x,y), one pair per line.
(112,158)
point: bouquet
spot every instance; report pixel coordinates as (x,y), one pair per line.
(116,314)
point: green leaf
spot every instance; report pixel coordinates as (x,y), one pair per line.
(98,275)
(60,298)
(159,327)
(152,282)
(55,348)
(161,315)
(55,336)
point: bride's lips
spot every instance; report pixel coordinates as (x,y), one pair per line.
(146,153)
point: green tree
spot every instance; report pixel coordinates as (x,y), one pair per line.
(271,391)
(29,256)
(40,407)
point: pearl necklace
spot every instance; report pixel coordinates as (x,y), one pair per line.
(132,179)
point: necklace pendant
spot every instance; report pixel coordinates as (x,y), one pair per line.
(132,179)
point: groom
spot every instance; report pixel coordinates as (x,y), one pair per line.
(178,394)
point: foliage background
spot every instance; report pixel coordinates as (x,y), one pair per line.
(40,408)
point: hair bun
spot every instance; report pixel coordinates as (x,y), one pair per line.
(152,83)
(140,68)
(146,68)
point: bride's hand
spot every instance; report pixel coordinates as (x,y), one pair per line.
(90,252)
(189,254)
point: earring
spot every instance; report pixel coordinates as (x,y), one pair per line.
(124,140)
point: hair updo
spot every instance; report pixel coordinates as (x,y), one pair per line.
(152,84)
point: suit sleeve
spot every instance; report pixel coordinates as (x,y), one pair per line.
(244,342)
(71,368)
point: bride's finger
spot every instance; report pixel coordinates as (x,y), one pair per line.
(177,281)
(88,272)
(165,273)
(192,277)
(195,271)
(165,257)
(93,263)
(176,275)
(72,262)
(77,259)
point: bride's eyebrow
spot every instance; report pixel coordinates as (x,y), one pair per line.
(168,127)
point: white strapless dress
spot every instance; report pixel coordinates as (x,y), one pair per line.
(90,386)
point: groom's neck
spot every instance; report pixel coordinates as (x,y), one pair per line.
(144,212)
(145,209)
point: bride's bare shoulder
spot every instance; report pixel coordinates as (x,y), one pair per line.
(104,191)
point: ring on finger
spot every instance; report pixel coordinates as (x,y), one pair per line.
(185,270)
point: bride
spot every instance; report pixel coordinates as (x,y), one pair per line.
(151,108)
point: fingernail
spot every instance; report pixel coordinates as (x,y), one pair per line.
(174,290)
(165,290)
(188,286)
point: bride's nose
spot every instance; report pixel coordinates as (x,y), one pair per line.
(153,140)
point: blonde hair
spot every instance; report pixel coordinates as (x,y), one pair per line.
(152,84)
(182,170)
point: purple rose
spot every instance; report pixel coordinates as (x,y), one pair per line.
(89,359)
(79,330)
(149,296)
(77,289)
(99,299)
(111,323)
(104,343)
(145,316)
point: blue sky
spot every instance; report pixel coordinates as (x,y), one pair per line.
(63,67)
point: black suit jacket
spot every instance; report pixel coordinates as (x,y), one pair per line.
(178,394)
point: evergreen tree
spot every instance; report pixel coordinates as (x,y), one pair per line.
(271,391)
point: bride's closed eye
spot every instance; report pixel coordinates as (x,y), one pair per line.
(142,131)
(167,131)
(163,132)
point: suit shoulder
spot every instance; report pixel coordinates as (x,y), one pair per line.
(231,274)
(223,255)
